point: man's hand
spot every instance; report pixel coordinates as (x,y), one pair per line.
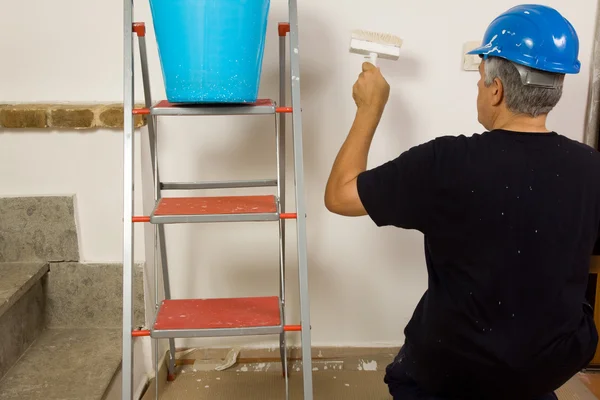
(371,90)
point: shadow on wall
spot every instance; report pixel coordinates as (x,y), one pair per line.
(326,97)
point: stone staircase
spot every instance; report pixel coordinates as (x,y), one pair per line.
(60,320)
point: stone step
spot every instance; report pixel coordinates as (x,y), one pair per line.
(65,364)
(83,295)
(38,229)
(22,309)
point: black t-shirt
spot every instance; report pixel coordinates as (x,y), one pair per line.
(510,221)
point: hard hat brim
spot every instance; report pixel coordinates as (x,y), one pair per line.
(547,66)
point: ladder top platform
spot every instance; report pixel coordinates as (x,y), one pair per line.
(215,209)
(218,317)
(260,107)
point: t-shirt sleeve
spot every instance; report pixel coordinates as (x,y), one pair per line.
(402,192)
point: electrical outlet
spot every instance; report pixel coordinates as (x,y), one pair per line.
(471,62)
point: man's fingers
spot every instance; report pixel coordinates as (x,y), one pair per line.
(367,66)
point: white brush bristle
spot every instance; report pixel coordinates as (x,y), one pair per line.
(377,37)
(375,45)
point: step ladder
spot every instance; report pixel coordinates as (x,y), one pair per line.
(229,316)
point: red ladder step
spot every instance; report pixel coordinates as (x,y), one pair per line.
(171,210)
(218,317)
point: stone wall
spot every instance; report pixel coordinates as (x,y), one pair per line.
(65,116)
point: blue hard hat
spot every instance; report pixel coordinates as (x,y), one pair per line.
(535,36)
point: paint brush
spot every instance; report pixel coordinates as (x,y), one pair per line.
(374,45)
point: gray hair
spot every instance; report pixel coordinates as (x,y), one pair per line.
(520,98)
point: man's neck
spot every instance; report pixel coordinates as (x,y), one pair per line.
(520,123)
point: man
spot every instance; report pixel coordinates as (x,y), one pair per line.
(510,218)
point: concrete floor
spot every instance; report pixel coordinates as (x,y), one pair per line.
(592,381)
(328,385)
(263,381)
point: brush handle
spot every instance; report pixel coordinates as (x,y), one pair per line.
(373,58)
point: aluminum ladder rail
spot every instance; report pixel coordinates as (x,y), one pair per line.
(257,208)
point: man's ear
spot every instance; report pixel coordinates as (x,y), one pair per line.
(497,92)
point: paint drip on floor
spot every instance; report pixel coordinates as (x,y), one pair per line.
(367,365)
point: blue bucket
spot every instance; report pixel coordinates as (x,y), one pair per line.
(211,51)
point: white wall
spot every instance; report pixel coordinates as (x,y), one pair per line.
(364,281)
(66,51)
